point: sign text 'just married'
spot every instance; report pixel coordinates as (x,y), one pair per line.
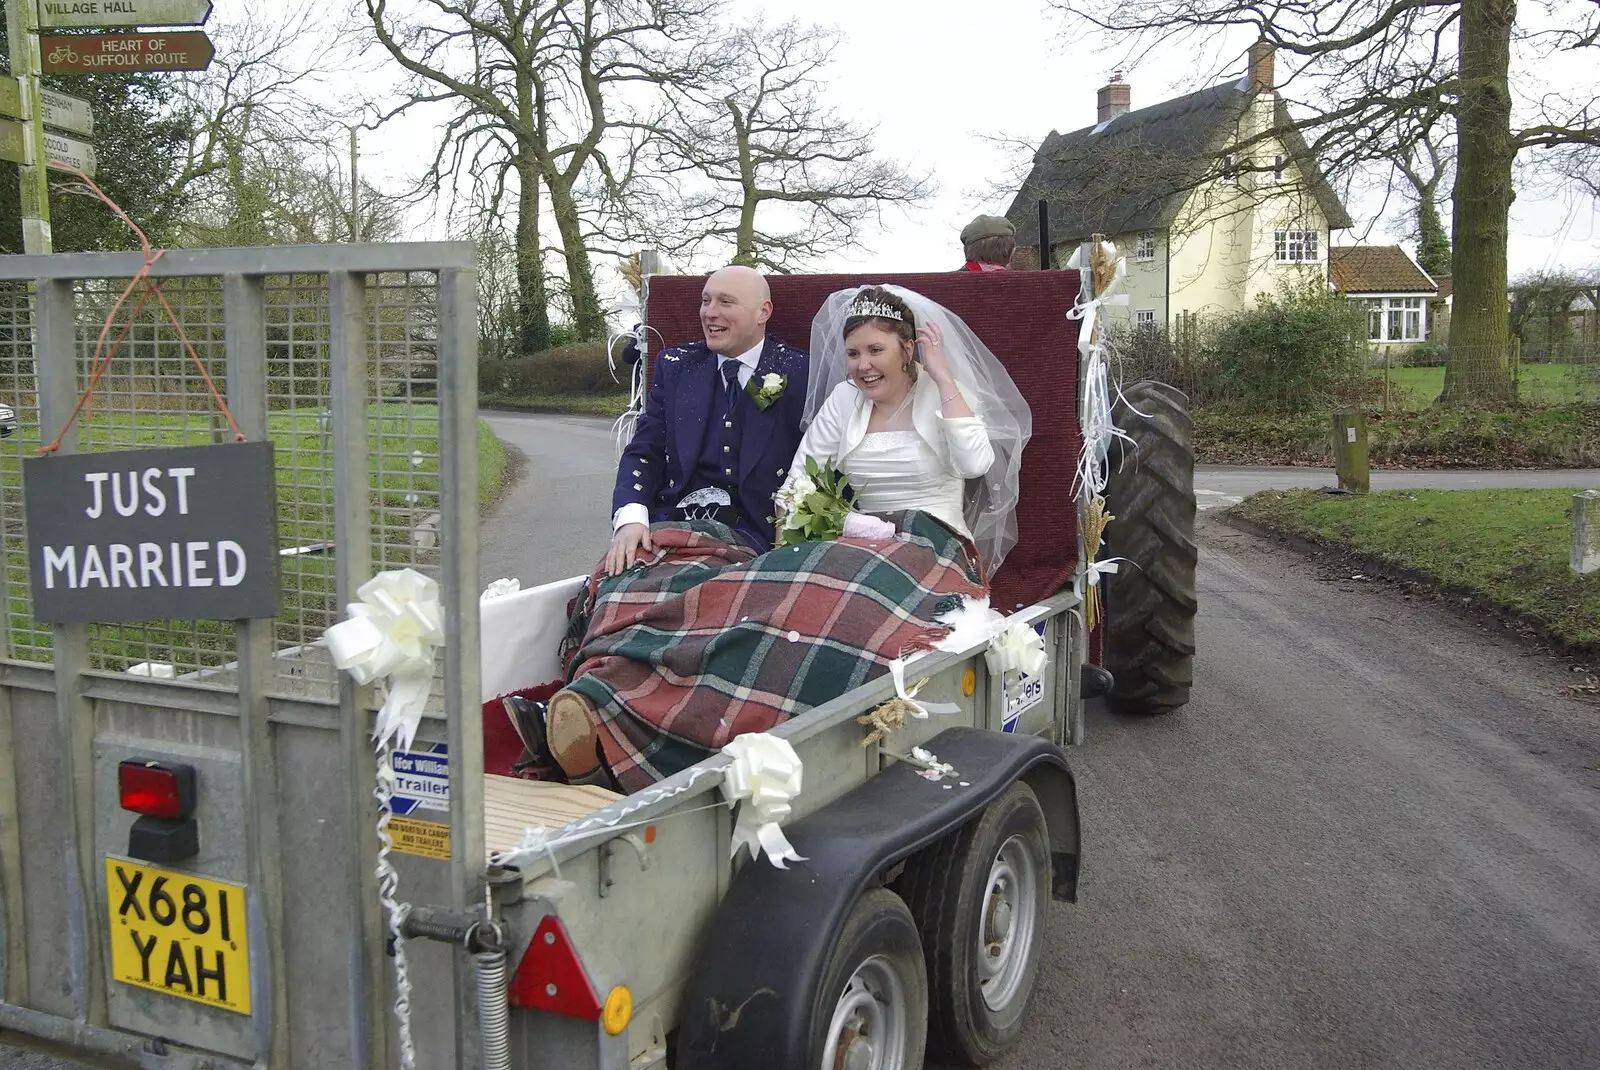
(176,534)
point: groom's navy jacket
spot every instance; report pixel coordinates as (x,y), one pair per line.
(672,449)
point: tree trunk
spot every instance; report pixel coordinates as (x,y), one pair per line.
(1478,371)
(588,319)
(533,305)
(744,245)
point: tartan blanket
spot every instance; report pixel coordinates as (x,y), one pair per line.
(712,640)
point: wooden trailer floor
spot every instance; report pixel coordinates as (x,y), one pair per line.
(511,805)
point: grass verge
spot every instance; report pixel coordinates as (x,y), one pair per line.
(1537,384)
(580,404)
(1556,436)
(1507,550)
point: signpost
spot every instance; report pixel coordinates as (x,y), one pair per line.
(61,149)
(27,143)
(72,114)
(124,53)
(13,141)
(21,25)
(55,13)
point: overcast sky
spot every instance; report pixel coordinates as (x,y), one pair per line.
(932,83)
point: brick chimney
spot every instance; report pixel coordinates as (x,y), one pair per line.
(1116,98)
(1261,72)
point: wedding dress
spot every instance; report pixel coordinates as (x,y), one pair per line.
(925,466)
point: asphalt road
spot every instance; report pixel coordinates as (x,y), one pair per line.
(1371,840)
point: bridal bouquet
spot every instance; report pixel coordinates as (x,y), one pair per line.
(813,507)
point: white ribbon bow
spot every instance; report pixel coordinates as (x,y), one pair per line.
(392,633)
(499,589)
(1017,649)
(919,710)
(765,775)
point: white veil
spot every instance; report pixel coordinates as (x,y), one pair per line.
(991,500)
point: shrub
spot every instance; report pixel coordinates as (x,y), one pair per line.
(1295,351)
(579,370)
(491,375)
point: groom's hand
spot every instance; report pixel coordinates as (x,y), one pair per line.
(625,546)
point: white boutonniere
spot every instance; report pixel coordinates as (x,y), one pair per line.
(767,389)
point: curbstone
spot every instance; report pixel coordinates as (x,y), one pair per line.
(1586,532)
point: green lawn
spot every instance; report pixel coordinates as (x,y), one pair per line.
(1541,384)
(1504,547)
(403,454)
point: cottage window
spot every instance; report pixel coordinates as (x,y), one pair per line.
(1295,246)
(1145,247)
(1144,317)
(1395,319)
(1230,170)
(1277,169)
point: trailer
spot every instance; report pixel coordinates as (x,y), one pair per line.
(201,865)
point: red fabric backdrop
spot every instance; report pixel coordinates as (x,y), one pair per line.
(1021,317)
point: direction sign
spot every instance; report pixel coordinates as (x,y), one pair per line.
(68,113)
(96,53)
(123,12)
(13,141)
(61,149)
(72,114)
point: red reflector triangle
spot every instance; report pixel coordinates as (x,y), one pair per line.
(550,977)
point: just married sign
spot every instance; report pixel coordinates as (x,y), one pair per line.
(166,534)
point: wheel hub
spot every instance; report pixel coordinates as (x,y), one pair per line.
(869,1029)
(1008,934)
(859,1055)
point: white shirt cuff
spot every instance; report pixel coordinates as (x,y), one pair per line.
(632,513)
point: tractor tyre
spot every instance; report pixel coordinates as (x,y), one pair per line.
(1150,600)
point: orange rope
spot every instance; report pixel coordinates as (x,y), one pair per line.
(102,356)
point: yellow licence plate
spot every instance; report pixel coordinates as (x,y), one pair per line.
(179,934)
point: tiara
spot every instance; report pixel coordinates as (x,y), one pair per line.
(864,309)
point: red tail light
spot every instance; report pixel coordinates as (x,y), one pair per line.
(156,790)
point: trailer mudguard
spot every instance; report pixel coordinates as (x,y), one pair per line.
(754,993)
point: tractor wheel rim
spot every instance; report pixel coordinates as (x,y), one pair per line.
(1009,923)
(870,1028)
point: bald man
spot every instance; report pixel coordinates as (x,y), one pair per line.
(720,427)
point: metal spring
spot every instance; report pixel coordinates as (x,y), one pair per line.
(494,1021)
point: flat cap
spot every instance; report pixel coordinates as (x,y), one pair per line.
(988,226)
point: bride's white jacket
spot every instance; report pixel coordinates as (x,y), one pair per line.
(961,443)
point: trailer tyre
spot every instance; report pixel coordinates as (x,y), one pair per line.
(979,897)
(873,1013)
(1151,600)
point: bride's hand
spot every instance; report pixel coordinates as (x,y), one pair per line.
(931,338)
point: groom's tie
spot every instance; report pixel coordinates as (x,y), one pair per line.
(730,379)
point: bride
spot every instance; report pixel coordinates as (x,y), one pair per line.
(669,662)
(891,405)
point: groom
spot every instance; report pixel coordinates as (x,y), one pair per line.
(720,428)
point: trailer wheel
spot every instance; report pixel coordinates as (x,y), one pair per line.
(874,1009)
(979,897)
(1151,601)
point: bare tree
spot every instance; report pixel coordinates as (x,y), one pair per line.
(1424,167)
(771,171)
(256,92)
(276,194)
(535,88)
(1367,78)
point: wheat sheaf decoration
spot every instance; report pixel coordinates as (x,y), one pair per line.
(1095,519)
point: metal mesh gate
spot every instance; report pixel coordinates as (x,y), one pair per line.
(359,363)
(152,394)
